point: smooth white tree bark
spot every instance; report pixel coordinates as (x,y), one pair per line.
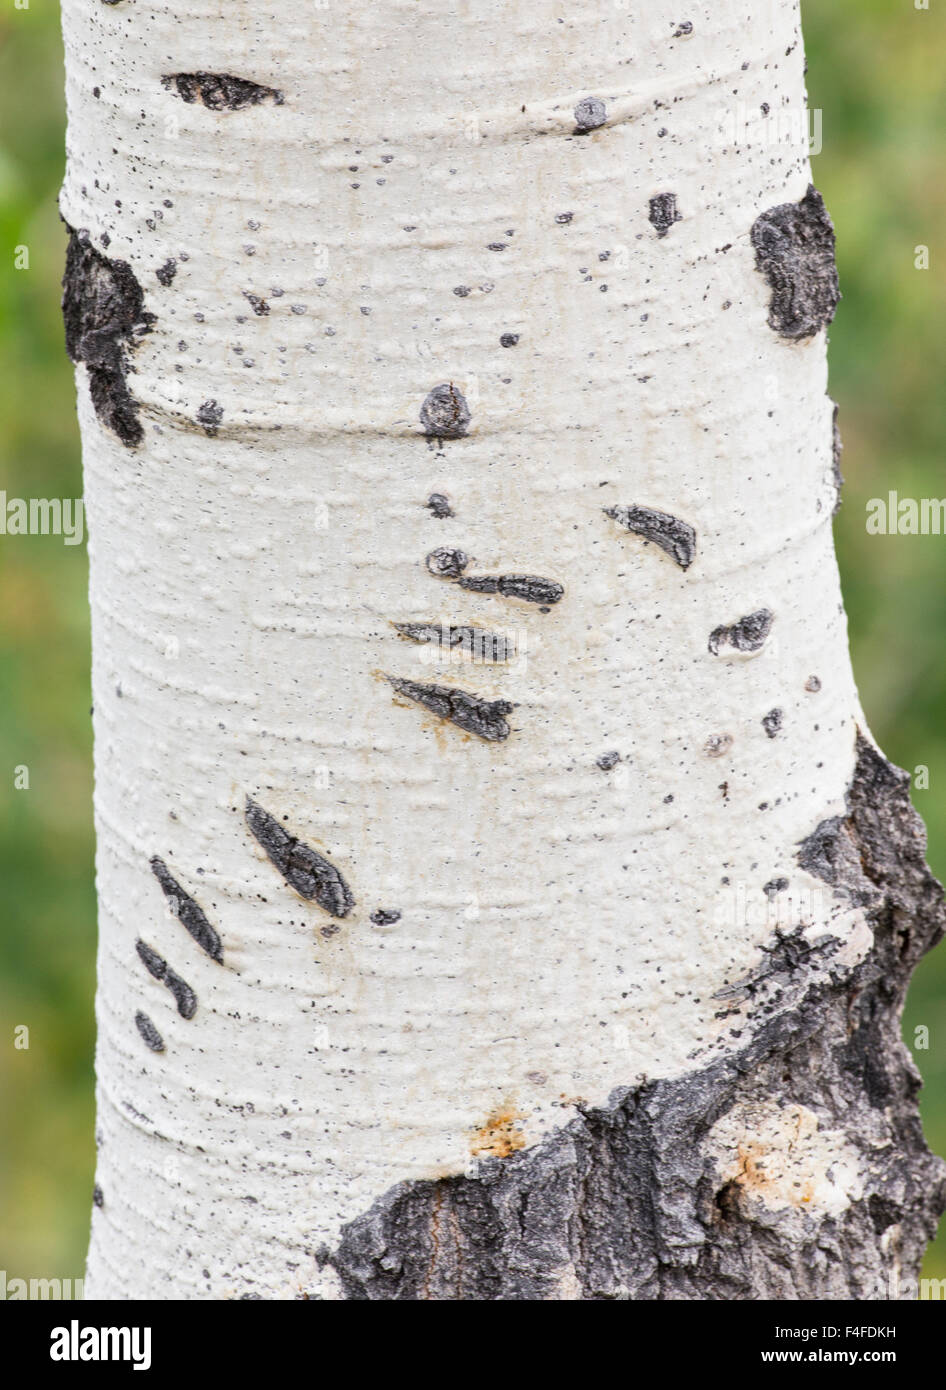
(353,288)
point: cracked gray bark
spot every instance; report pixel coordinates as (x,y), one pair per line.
(622,1203)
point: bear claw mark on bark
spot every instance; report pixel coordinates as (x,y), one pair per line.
(219,91)
(148,1031)
(629,1202)
(794,246)
(445,413)
(312,876)
(104,315)
(747,635)
(663,213)
(474,641)
(157,966)
(675,537)
(473,714)
(189,913)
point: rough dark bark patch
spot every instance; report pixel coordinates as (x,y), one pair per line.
(219,90)
(189,913)
(473,714)
(304,869)
(104,315)
(157,966)
(675,537)
(794,246)
(747,635)
(626,1203)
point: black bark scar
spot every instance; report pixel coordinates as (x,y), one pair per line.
(474,641)
(311,875)
(677,538)
(663,213)
(189,913)
(747,635)
(794,246)
(148,1031)
(219,90)
(104,315)
(484,718)
(531,588)
(445,413)
(158,967)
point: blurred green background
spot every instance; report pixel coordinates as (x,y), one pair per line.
(875,71)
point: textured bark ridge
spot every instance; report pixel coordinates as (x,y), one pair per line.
(632,1201)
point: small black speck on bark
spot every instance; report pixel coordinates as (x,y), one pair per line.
(104,315)
(508,340)
(663,213)
(166,273)
(439,505)
(220,91)
(484,718)
(590,113)
(794,246)
(311,875)
(675,537)
(772,722)
(146,1028)
(747,635)
(608,760)
(258,304)
(209,415)
(385,916)
(98,1197)
(445,413)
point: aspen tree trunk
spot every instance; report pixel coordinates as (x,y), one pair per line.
(501,894)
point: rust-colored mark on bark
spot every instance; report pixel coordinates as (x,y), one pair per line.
(500,1136)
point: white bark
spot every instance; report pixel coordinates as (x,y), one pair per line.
(565,929)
